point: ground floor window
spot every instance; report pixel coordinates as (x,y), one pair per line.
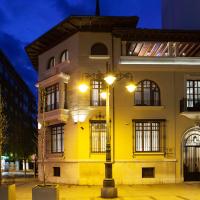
(149,135)
(57,139)
(98,136)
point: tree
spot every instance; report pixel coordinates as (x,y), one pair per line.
(3,129)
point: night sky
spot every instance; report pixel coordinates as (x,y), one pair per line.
(22,21)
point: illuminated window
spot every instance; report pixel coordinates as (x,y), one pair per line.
(193,93)
(147,94)
(99,49)
(149,135)
(64,56)
(51,63)
(52,97)
(98,136)
(95,94)
(57,139)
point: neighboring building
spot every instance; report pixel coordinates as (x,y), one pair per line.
(155,132)
(180,14)
(20,106)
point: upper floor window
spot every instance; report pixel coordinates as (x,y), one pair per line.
(99,49)
(95,94)
(149,135)
(57,139)
(147,94)
(52,97)
(193,93)
(51,63)
(98,136)
(64,56)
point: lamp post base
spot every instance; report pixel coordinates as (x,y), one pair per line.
(109,190)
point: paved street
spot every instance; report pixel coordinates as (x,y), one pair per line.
(185,191)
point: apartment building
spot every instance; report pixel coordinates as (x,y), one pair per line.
(20,109)
(155,133)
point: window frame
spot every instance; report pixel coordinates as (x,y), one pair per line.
(51,63)
(53,93)
(56,133)
(195,100)
(99,148)
(153,89)
(65,55)
(161,135)
(99,49)
(100,88)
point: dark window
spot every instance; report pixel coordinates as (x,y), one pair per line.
(147,94)
(52,97)
(95,94)
(98,136)
(64,56)
(51,63)
(99,49)
(149,136)
(148,172)
(56,171)
(193,93)
(57,139)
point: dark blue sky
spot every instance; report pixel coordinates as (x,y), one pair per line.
(22,21)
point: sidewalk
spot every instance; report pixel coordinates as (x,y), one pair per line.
(184,191)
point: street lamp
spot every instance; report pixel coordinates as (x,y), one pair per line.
(109,190)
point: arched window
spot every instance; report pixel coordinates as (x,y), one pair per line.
(147,94)
(99,49)
(64,56)
(51,63)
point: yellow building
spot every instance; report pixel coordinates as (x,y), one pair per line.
(155,133)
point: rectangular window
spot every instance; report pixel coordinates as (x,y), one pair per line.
(95,95)
(193,93)
(98,136)
(57,139)
(149,135)
(56,171)
(148,172)
(52,97)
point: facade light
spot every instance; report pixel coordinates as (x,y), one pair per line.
(131,87)
(83,87)
(110,79)
(39,125)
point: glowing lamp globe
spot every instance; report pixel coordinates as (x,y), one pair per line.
(131,87)
(110,79)
(103,95)
(83,87)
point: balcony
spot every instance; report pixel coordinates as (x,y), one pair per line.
(190,108)
(54,116)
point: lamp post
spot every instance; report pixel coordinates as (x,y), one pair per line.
(109,190)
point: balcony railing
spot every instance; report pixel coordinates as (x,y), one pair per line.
(189,105)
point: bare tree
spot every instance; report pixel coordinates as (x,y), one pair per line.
(43,132)
(3,128)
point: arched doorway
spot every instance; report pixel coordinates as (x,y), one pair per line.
(191,155)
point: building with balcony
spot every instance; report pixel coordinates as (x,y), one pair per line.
(155,133)
(20,109)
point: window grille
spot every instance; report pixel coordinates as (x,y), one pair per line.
(149,135)
(98,136)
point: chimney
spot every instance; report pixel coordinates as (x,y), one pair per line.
(97,8)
